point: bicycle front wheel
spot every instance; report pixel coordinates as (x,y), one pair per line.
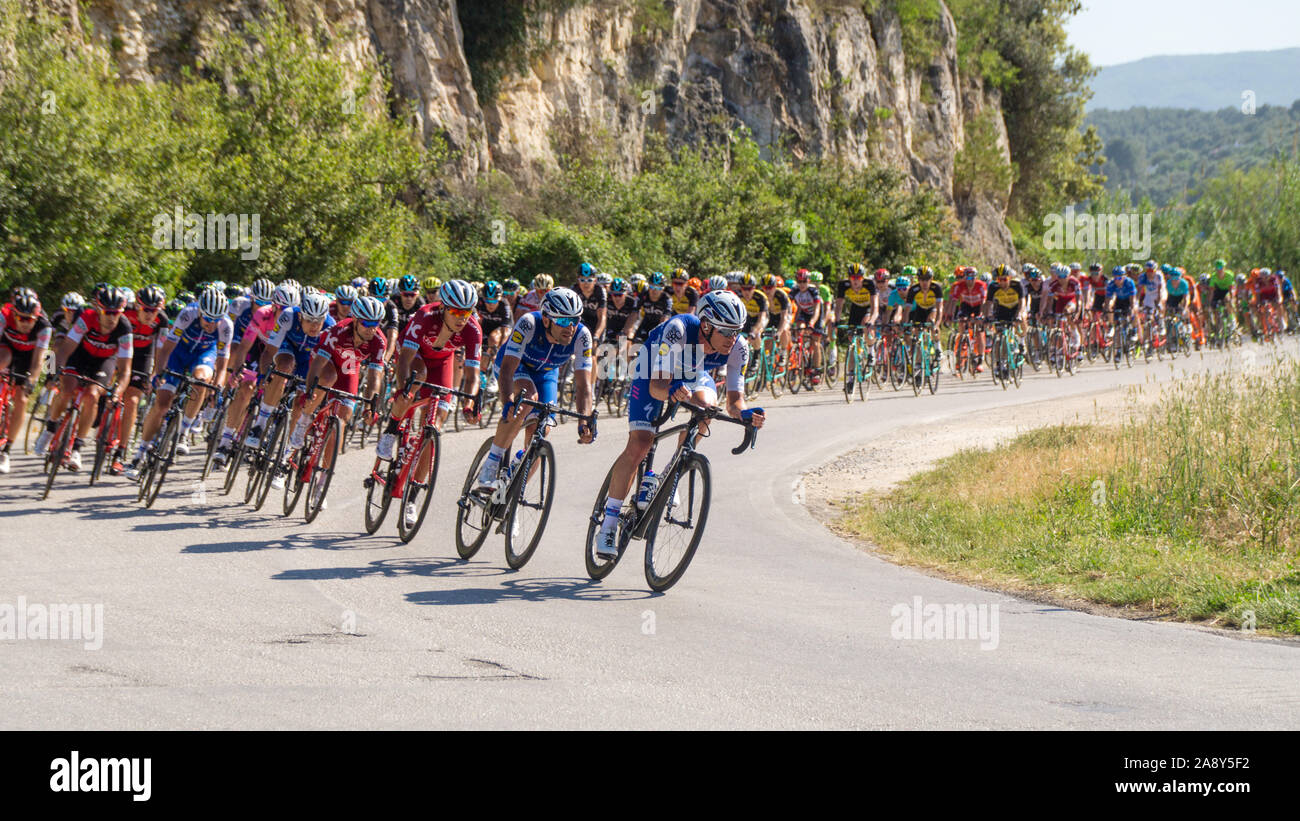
(217,425)
(598,568)
(58,450)
(473,515)
(680,511)
(163,455)
(529,506)
(419,493)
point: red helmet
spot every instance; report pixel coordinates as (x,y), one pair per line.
(801,275)
(882,274)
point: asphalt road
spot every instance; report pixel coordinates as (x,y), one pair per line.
(218,617)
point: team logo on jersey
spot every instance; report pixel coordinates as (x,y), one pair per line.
(517,337)
(663,349)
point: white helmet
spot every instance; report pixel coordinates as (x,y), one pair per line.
(735,276)
(315,306)
(213,304)
(717,282)
(368,309)
(286,296)
(263,289)
(561,302)
(604,279)
(457,293)
(73,301)
(724,309)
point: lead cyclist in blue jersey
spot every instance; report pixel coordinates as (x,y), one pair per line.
(673,364)
(527,367)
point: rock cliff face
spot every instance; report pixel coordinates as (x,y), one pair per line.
(819,76)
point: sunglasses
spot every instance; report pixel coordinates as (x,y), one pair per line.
(494,300)
(346,303)
(148,309)
(107,312)
(24,317)
(408,293)
(565,321)
(729,333)
(746,287)
(586,279)
(460,313)
(370,323)
(427,295)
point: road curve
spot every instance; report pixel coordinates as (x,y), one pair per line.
(218,617)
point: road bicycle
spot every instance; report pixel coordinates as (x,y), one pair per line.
(520,503)
(266,462)
(859,361)
(312,465)
(413,472)
(159,456)
(214,425)
(1178,333)
(964,348)
(1122,336)
(1153,335)
(65,434)
(1060,346)
(108,437)
(923,368)
(1008,354)
(673,521)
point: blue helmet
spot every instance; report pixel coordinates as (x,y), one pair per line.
(379,288)
(586,270)
(491,291)
(1117,271)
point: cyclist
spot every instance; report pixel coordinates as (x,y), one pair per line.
(100,335)
(70,307)
(430,285)
(1151,289)
(337,363)
(1120,293)
(197,344)
(896,302)
(756,311)
(809,313)
(495,318)
(655,306)
(638,283)
(970,294)
(510,294)
(683,296)
(620,310)
(674,365)
(148,327)
(341,307)
(256,324)
(1179,290)
(923,298)
(532,301)
(289,348)
(779,311)
(862,295)
(406,302)
(1006,302)
(1266,296)
(25,334)
(594,300)
(1065,291)
(527,367)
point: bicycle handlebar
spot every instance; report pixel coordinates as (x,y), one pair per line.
(712,412)
(543,406)
(186,379)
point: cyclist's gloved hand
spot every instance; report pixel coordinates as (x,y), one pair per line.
(507,406)
(676,386)
(586,432)
(748,414)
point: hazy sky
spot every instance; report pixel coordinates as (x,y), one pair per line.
(1120,31)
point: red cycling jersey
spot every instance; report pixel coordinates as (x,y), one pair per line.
(1064,290)
(338,344)
(974,293)
(421,334)
(1267,287)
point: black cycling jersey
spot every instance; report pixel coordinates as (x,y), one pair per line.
(653,312)
(616,317)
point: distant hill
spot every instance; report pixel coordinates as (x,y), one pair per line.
(1207,82)
(1165,153)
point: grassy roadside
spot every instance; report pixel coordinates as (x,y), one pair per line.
(1189,509)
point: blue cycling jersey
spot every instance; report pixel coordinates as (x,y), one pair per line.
(1121,287)
(529,342)
(289,335)
(674,348)
(1177,286)
(188,333)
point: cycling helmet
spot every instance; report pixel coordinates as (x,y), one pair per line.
(735,277)
(619,286)
(1002,270)
(186,296)
(1241,279)
(492,291)
(636,279)
(1151,265)
(604,280)
(857,269)
(174,308)
(586,270)
(724,309)
(98,294)
(408,285)
(286,296)
(430,283)
(151,296)
(368,309)
(234,291)
(219,284)
(680,273)
(315,306)
(543,282)
(903,282)
(510,286)
(1034,273)
(359,283)
(969,273)
(1026,268)
(345,294)
(1075,267)
(749,281)
(909,271)
(458,294)
(262,291)
(561,302)
(1203,279)
(772,281)
(801,275)
(925,272)
(655,280)
(213,304)
(112,299)
(789,284)
(1095,268)
(73,301)
(379,288)
(882,275)
(717,282)
(986,277)
(26,302)
(1265,272)
(1117,271)
(1220,263)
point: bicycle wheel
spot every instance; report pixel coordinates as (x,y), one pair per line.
(473,515)
(103,437)
(861,376)
(1001,365)
(1055,352)
(293,478)
(270,461)
(794,369)
(323,471)
(850,372)
(378,498)
(897,363)
(680,510)
(163,454)
(772,366)
(529,506)
(932,373)
(419,493)
(217,425)
(58,450)
(915,374)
